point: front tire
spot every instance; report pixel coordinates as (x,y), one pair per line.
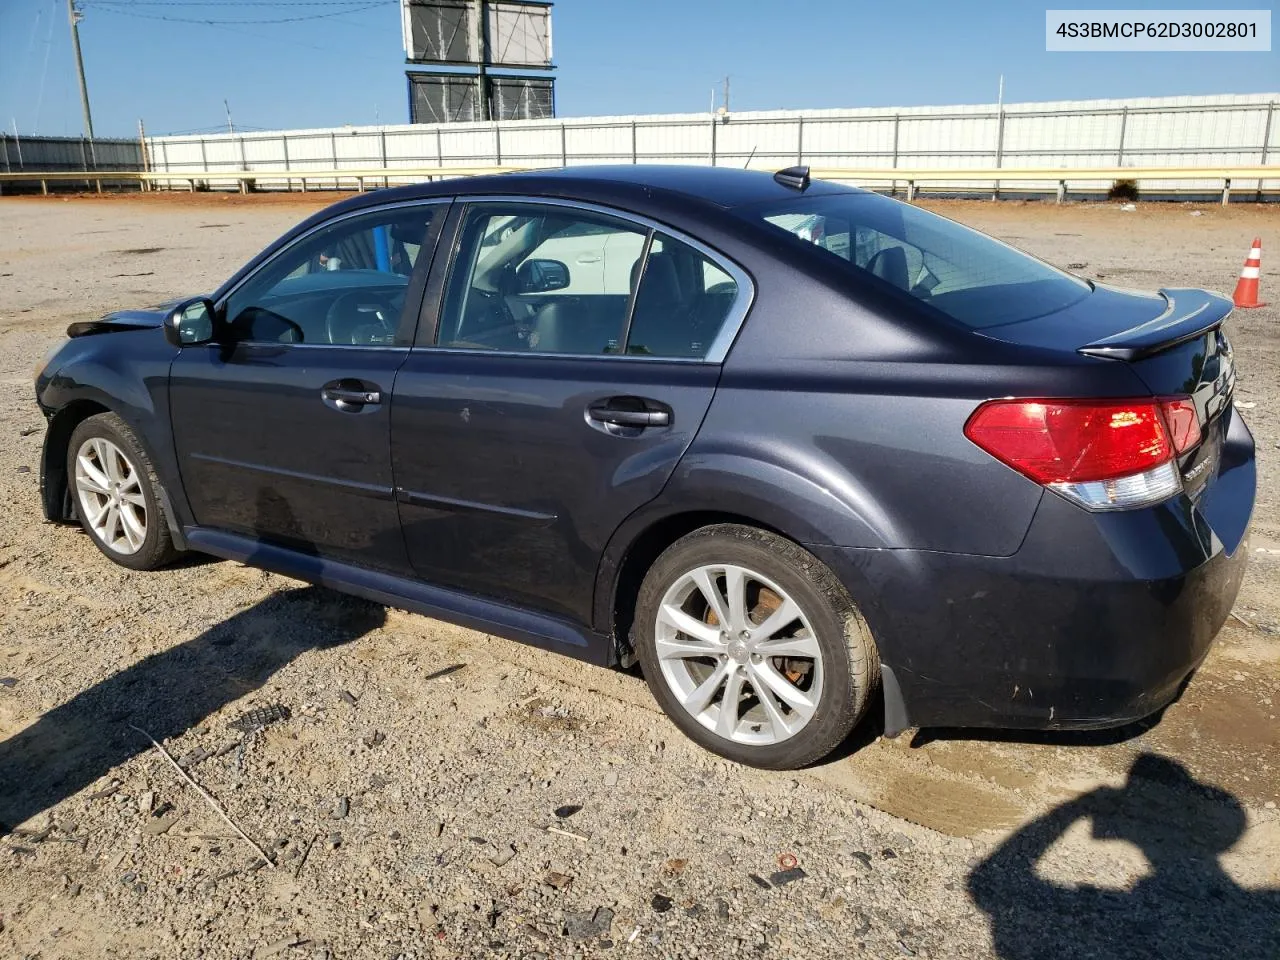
(753,648)
(115,491)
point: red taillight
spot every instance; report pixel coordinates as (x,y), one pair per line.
(1079,441)
(1183,421)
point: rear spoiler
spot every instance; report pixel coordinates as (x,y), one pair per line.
(1189,314)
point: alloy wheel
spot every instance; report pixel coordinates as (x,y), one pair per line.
(109,489)
(739,654)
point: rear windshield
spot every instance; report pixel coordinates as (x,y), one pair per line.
(967,275)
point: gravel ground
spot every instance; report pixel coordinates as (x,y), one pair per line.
(427,791)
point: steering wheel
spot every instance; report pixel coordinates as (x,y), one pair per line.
(363,316)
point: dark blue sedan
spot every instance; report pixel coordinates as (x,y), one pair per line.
(797,448)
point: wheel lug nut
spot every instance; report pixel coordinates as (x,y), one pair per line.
(745,634)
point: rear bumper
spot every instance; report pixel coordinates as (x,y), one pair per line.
(1096,621)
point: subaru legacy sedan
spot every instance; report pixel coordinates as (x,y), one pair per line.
(801,450)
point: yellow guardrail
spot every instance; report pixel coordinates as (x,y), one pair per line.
(914,178)
(1062,176)
(244,177)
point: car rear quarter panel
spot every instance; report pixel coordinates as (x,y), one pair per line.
(840,413)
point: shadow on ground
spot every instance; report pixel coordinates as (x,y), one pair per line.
(168,693)
(1187,907)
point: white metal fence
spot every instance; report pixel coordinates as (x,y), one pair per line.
(1219,131)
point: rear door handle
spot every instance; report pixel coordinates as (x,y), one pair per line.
(631,418)
(627,416)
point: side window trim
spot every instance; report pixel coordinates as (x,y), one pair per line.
(634,295)
(443,273)
(417,280)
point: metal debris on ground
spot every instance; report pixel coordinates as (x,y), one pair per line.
(302,862)
(788,861)
(259,718)
(445,671)
(661,903)
(568,810)
(759,881)
(8,682)
(347,697)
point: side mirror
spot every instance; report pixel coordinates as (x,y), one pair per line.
(541,276)
(190,323)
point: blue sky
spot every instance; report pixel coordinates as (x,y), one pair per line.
(613,57)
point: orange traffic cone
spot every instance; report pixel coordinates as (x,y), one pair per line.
(1246,295)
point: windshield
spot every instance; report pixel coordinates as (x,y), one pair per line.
(967,275)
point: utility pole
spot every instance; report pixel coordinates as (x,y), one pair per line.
(142,153)
(726,94)
(74,15)
(482,82)
(231,127)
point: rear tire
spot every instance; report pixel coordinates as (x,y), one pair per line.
(116,494)
(795,633)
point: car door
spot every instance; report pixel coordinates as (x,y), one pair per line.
(537,417)
(282,426)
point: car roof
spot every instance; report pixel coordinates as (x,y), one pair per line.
(631,185)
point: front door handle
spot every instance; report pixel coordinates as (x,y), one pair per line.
(350,396)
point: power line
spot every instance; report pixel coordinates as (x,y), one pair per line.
(115,6)
(233,3)
(297,43)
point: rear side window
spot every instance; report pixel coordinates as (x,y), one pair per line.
(970,277)
(529,278)
(682,302)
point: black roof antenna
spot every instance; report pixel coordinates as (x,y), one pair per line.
(797,178)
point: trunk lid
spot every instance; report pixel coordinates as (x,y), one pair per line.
(1172,340)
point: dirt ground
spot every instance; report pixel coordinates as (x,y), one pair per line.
(436,792)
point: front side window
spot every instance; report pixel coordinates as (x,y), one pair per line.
(970,277)
(543,279)
(342,285)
